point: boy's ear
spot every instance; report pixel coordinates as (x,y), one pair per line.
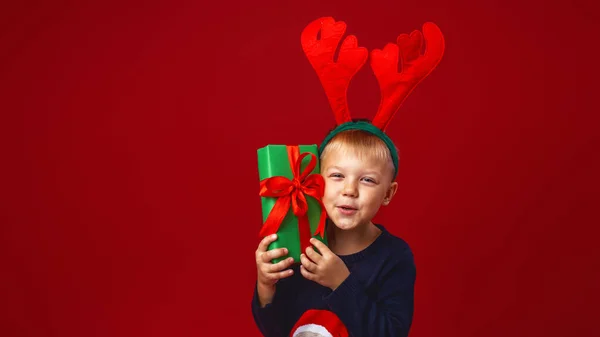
(390,193)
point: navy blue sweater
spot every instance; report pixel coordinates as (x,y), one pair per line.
(376,300)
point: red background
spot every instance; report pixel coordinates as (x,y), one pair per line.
(129,186)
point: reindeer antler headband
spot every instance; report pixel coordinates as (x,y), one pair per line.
(394,85)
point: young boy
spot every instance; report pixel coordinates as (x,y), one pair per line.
(362,283)
(366,276)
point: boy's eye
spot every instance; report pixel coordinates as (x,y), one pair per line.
(336,175)
(369,180)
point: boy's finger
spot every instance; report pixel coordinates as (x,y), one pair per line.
(313,255)
(284,274)
(281,265)
(265,242)
(307,264)
(320,246)
(273,254)
(307,275)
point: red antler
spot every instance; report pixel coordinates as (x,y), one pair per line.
(334,76)
(396,86)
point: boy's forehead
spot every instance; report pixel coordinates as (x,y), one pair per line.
(347,154)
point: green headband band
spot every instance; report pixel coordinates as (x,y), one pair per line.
(368,127)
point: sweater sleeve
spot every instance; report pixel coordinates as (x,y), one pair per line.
(275,319)
(387,311)
(268,318)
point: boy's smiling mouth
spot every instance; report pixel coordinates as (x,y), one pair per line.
(347,209)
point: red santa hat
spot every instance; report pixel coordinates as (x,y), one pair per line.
(322,323)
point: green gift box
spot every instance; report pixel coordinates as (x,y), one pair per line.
(277,163)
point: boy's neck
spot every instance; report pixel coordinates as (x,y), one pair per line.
(346,242)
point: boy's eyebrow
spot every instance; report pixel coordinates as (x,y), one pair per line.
(334,167)
(375,172)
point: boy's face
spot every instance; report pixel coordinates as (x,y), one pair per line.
(355,188)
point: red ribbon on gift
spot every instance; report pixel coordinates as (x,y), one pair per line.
(293,192)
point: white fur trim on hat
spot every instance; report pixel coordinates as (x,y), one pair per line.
(313,328)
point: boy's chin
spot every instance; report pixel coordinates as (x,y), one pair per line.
(344,224)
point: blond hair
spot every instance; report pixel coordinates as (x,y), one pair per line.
(361,143)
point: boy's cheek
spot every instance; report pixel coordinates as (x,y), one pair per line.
(327,191)
(328,202)
(330,193)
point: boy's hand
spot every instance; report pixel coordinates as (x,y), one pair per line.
(269,273)
(327,269)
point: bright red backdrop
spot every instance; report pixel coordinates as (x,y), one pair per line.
(129,187)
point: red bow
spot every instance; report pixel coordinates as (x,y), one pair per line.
(293,191)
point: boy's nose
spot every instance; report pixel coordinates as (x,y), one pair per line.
(350,190)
